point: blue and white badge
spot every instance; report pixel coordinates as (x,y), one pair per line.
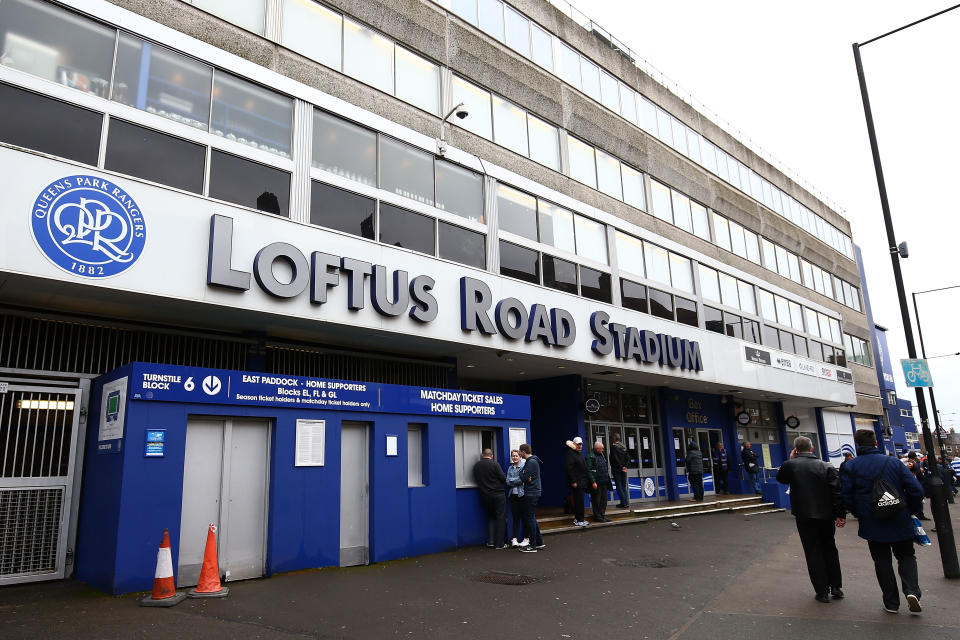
(88,226)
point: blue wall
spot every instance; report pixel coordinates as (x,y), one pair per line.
(556,415)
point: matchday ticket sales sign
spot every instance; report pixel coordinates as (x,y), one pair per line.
(166,383)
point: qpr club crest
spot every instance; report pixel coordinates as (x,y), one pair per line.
(88,226)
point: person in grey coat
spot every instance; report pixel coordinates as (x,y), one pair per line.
(694,461)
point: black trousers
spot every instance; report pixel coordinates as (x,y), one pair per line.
(496,506)
(516,512)
(696,485)
(530,527)
(906,567)
(820,550)
(577,503)
(720,481)
(598,500)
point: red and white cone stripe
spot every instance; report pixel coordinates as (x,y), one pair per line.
(164,563)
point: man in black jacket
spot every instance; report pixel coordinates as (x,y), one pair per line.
(578,479)
(490,481)
(619,459)
(817,505)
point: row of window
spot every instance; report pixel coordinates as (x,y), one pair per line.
(530,40)
(858,350)
(535,267)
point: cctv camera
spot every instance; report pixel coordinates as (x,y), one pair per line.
(462,113)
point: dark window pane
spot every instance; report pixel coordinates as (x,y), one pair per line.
(828,353)
(661,304)
(751,330)
(459,191)
(406,171)
(840,358)
(816,350)
(249,184)
(786,341)
(634,295)
(800,344)
(462,245)
(686,311)
(732,325)
(559,274)
(519,262)
(771,337)
(341,210)
(50,126)
(402,228)
(713,319)
(155,156)
(595,284)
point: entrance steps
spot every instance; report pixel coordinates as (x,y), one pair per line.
(553,520)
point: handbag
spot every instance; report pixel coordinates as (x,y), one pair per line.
(919,535)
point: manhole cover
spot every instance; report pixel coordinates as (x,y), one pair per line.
(512,579)
(641,563)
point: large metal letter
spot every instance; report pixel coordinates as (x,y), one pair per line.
(220,256)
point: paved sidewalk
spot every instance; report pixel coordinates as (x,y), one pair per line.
(716,577)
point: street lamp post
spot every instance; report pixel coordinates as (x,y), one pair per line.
(941,513)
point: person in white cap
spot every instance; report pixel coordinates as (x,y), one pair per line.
(578,479)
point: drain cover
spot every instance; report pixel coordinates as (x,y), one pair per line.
(498,577)
(640,563)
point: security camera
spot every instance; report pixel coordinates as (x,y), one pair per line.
(462,113)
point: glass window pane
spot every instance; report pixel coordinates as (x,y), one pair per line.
(732,325)
(595,284)
(679,135)
(855,292)
(661,304)
(569,65)
(559,274)
(747,301)
(249,184)
(418,81)
(462,245)
(681,211)
(769,254)
(45,41)
(590,78)
(544,142)
(722,164)
(402,228)
(248,15)
(406,171)
(477,102)
(709,283)
(556,226)
(807,271)
(608,175)
(582,165)
(721,229)
(155,156)
(816,350)
(664,127)
(343,148)
(737,242)
(591,239)
(713,319)
(701,226)
(800,346)
(519,262)
(630,254)
(517,212)
(756,185)
(824,326)
(657,263)
(771,337)
(251,115)
(509,126)
(518,32)
(783,267)
(768,308)
(341,210)
(751,330)
(753,246)
(459,191)
(542,47)
(693,145)
(793,262)
(729,291)
(367,56)
(633,193)
(786,341)
(835,330)
(813,325)
(708,155)
(660,199)
(633,295)
(466,9)
(313,30)
(796,316)
(686,311)
(681,273)
(783,310)
(154,79)
(491,17)
(628,103)
(647,115)
(47,125)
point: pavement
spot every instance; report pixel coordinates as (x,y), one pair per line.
(716,577)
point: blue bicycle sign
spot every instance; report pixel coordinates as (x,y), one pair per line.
(917,373)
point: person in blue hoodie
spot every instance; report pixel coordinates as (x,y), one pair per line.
(884,536)
(530,475)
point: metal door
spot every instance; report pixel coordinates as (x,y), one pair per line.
(650,463)
(39,429)
(705,442)
(224,483)
(354,494)
(680,454)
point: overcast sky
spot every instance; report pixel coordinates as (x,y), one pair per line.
(783,74)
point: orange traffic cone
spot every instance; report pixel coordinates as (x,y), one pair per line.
(209,585)
(164,592)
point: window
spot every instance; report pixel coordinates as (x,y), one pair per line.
(510,126)
(657,263)
(751,330)
(786,342)
(633,295)
(517,212)
(367,56)
(466,9)
(633,193)
(771,337)
(247,15)
(679,135)
(518,31)
(406,171)
(783,267)
(418,81)
(661,304)
(519,262)
(313,30)
(155,156)
(556,226)
(721,230)
(793,262)
(459,191)
(608,175)
(591,239)
(729,291)
(709,284)
(490,14)
(747,301)
(664,127)
(646,115)
(477,102)
(660,198)
(813,324)
(590,78)
(681,273)
(542,47)
(559,274)
(402,228)
(816,350)
(753,246)
(415,456)
(544,142)
(341,210)
(595,284)
(732,325)
(249,184)
(630,254)
(582,165)
(769,254)
(155,79)
(713,319)
(609,92)
(858,350)
(568,67)
(701,226)
(796,315)
(783,310)
(468,445)
(251,115)
(686,311)
(628,103)
(681,211)
(344,148)
(47,125)
(800,345)
(768,308)
(737,243)
(462,245)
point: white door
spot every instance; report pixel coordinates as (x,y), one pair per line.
(224,483)
(354,494)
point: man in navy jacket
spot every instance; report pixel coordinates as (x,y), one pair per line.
(884,536)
